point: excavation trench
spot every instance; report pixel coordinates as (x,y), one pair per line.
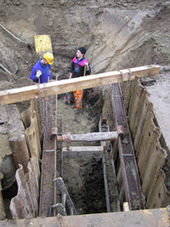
(82,168)
(83,175)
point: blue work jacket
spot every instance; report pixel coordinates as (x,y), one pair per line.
(45,70)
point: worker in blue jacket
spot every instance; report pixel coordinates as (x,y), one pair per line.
(41,71)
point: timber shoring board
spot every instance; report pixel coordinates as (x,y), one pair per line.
(130,174)
(111,181)
(59,149)
(139,218)
(48,158)
(63,86)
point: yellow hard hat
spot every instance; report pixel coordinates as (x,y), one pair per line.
(49,58)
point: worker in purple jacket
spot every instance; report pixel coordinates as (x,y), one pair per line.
(79,67)
(41,71)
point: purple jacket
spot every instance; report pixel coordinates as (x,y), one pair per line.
(45,70)
(78,67)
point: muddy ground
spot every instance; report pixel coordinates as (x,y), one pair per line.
(117,34)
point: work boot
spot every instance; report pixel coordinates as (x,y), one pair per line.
(78,105)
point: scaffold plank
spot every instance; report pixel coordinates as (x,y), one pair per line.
(59,87)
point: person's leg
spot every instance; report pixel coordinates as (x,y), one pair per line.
(67,98)
(78,97)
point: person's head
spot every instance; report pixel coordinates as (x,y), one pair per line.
(48,58)
(80,52)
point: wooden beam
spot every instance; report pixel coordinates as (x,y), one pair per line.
(20,151)
(131,184)
(83,149)
(48,164)
(94,136)
(63,86)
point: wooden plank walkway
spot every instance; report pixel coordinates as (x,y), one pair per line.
(63,86)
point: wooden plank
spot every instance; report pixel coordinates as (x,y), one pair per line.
(107,196)
(139,218)
(42,44)
(23,205)
(130,174)
(33,182)
(20,151)
(83,148)
(32,132)
(58,171)
(48,159)
(59,149)
(89,137)
(63,86)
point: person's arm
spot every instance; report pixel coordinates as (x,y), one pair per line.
(35,74)
(87,68)
(88,71)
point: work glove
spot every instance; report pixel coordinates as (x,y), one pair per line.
(38,74)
